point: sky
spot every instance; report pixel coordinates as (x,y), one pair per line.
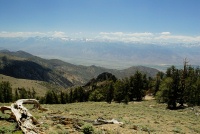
(113,20)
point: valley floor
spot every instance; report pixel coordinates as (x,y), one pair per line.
(137,117)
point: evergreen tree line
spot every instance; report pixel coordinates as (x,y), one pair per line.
(175,87)
(7,96)
(74,95)
(129,89)
(178,87)
(5,92)
(122,90)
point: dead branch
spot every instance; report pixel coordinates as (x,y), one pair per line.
(101,121)
(22,116)
(4,108)
(66,120)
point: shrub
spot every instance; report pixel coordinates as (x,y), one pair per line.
(87,129)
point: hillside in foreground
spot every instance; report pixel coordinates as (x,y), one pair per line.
(40,87)
(137,117)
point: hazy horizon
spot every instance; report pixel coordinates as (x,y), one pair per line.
(114,34)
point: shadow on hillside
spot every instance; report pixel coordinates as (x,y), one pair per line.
(25,70)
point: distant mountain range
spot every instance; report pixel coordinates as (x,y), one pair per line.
(115,55)
(24,65)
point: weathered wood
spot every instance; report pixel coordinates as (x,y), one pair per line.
(4,108)
(66,120)
(22,116)
(28,123)
(101,121)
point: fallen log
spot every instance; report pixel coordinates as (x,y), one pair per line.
(66,120)
(22,116)
(101,121)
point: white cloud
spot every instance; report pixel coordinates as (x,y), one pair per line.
(58,34)
(143,37)
(55,34)
(112,33)
(20,34)
(125,37)
(140,34)
(178,38)
(165,33)
(147,37)
(125,34)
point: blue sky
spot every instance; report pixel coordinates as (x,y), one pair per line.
(112,18)
(132,22)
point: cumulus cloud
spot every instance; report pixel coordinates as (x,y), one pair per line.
(112,33)
(21,34)
(148,37)
(55,34)
(125,34)
(165,33)
(143,37)
(125,37)
(178,38)
(145,34)
(58,34)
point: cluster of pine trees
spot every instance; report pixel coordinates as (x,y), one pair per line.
(22,93)
(176,87)
(107,89)
(74,95)
(179,86)
(6,94)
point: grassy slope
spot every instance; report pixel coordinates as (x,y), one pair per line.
(39,86)
(138,117)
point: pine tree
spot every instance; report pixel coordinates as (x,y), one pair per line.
(71,96)
(23,93)
(49,99)
(157,84)
(180,86)
(127,91)
(33,93)
(1,94)
(16,95)
(29,94)
(162,95)
(137,86)
(55,98)
(81,94)
(174,91)
(75,95)
(119,91)
(62,98)
(192,88)
(110,93)
(6,92)
(184,74)
(67,97)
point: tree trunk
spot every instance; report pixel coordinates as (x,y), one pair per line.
(22,116)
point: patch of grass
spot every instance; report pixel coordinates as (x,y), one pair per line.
(137,117)
(196,130)
(45,125)
(7,128)
(17,132)
(177,130)
(4,116)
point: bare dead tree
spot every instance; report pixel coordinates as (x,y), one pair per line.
(22,116)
